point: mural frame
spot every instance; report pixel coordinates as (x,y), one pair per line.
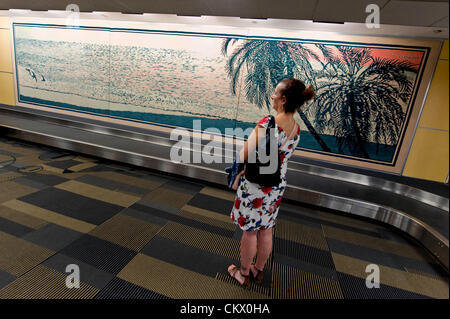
(431,49)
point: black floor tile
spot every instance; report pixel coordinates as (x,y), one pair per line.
(72,205)
(182,220)
(304,253)
(13,228)
(122,289)
(212,203)
(99,253)
(188,257)
(53,237)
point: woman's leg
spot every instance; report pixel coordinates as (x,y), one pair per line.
(264,243)
(248,252)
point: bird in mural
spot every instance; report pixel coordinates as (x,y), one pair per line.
(33,76)
(31,73)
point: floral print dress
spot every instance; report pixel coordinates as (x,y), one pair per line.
(256,207)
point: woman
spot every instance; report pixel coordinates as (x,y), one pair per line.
(256,208)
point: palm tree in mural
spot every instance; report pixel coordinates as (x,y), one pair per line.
(360,97)
(267,63)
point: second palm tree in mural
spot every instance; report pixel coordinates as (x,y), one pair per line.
(360,97)
(265,64)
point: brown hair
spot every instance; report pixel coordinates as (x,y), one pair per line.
(296,94)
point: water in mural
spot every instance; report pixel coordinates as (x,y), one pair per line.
(363,94)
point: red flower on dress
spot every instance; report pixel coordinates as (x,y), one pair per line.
(290,146)
(278,201)
(232,216)
(263,121)
(266,190)
(237,203)
(257,202)
(283,155)
(241,221)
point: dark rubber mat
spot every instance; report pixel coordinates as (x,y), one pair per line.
(305,266)
(49,180)
(72,205)
(158,206)
(13,228)
(189,257)
(355,288)
(215,204)
(53,237)
(304,253)
(184,221)
(110,184)
(299,216)
(155,178)
(99,253)
(28,182)
(144,216)
(122,289)
(183,186)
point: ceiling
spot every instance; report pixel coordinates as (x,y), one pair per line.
(423,13)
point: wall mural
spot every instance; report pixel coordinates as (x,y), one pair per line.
(365,92)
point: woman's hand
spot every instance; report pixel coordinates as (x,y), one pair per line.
(237,180)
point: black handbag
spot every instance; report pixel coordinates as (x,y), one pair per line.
(253,170)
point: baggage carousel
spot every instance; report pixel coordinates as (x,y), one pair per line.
(333,218)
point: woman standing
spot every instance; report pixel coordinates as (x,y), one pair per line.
(256,208)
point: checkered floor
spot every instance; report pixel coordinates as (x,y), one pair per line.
(137,234)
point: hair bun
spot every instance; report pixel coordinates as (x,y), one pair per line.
(308,93)
(296,94)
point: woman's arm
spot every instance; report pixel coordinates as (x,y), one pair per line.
(251,143)
(250,146)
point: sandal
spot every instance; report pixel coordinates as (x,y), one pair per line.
(233,272)
(259,275)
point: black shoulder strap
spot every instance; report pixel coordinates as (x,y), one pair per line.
(271,123)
